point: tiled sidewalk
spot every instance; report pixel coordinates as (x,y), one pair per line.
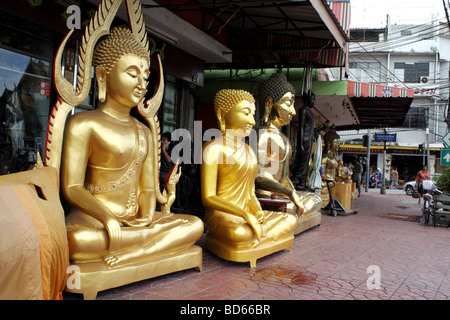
(328,262)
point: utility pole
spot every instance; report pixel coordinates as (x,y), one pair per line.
(369,138)
(447,107)
(428,147)
(383,184)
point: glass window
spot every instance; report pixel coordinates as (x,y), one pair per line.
(416,118)
(25,84)
(365,72)
(170,107)
(412,72)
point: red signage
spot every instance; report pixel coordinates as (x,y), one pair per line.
(45,89)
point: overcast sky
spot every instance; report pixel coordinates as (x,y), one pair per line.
(372,13)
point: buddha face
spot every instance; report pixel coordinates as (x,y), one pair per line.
(335,144)
(240,118)
(126,83)
(286,110)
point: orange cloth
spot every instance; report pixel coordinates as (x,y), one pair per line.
(34,253)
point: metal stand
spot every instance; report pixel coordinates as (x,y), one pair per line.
(335,207)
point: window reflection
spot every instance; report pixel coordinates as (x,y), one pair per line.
(25,85)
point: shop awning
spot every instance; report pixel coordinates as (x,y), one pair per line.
(263,34)
(351,105)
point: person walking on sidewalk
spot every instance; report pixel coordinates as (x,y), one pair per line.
(356,176)
(422,175)
(394,178)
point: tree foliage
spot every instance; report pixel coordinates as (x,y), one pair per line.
(443,182)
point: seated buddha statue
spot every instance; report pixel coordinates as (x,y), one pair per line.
(108,168)
(277,96)
(237,227)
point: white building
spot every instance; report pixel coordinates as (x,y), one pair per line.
(407,56)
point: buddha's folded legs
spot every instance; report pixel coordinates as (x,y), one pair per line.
(235,231)
(279,224)
(88,240)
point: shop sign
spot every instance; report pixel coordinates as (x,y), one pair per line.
(445,157)
(387,92)
(45,89)
(386,137)
(425,91)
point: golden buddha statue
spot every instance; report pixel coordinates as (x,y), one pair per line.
(110,169)
(277,96)
(329,161)
(341,174)
(237,227)
(107,168)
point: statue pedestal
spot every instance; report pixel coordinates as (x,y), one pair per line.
(306,222)
(343,192)
(95,276)
(248,253)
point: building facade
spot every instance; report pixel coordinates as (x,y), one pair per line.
(404,56)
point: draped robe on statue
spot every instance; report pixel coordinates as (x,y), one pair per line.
(236,184)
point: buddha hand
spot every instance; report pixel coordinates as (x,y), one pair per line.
(141,222)
(171,188)
(253,222)
(260,216)
(113,227)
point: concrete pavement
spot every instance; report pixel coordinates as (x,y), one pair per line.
(381,253)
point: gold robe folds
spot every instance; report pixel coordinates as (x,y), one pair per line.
(230,236)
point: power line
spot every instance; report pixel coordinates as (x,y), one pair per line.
(431,27)
(383,65)
(402,42)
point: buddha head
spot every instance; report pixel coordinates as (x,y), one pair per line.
(235,111)
(122,67)
(277,96)
(331,140)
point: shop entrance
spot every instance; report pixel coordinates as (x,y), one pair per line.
(407,166)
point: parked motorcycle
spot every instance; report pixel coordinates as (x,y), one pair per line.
(375,180)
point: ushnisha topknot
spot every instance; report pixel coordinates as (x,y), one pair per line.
(226,99)
(276,86)
(118,43)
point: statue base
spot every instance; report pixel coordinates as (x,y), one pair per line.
(248,253)
(341,191)
(95,276)
(307,222)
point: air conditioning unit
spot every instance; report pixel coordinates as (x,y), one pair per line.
(423,79)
